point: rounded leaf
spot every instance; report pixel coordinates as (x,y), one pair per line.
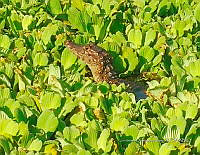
(55,6)
(132,148)
(47,121)
(40,59)
(153,144)
(4,41)
(70,133)
(191,111)
(36,145)
(26,21)
(67,58)
(147,52)
(9,127)
(193,68)
(135,36)
(166,149)
(197,12)
(50,101)
(119,124)
(102,141)
(150,36)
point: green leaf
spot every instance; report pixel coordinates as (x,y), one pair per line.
(36,145)
(132,131)
(155,125)
(147,52)
(68,58)
(70,149)
(76,19)
(179,121)
(197,144)
(153,144)
(50,101)
(143,132)
(47,121)
(4,143)
(48,32)
(157,60)
(166,149)
(101,28)
(193,130)
(7,69)
(12,105)
(54,71)
(191,111)
(177,71)
(23,129)
(179,26)
(40,59)
(68,106)
(78,119)
(5,93)
(92,135)
(150,36)
(2,24)
(55,7)
(106,6)
(135,37)
(197,12)
(193,68)
(174,100)
(50,149)
(139,3)
(26,21)
(26,99)
(70,133)
(102,141)
(15,22)
(5,41)
(160,43)
(119,64)
(119,38)
(163,8)
(131,56)
(20,115)
(119,124)
(43,109)
(79,4)
(83,152)
(8,127)
(132,148)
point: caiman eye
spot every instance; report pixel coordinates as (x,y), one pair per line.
(107,61)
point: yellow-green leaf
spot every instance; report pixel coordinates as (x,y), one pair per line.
(150,36)
(135,36)
(26,21)
(67,58)
(191,111)
(119,124)
(36,145)
(47,121)
(55,6)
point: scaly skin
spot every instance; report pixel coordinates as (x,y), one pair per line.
(99,62)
